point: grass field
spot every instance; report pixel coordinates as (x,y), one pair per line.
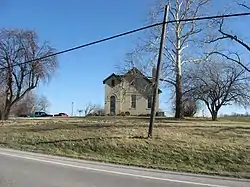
(198,146)
(237,118)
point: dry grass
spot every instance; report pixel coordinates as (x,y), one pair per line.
(236,119)
(221,148)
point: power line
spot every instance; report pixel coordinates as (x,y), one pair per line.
(130,32)
(88,44)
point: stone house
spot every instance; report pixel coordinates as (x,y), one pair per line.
(130,92)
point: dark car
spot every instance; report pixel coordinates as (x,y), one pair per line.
(61,115)
(40,114)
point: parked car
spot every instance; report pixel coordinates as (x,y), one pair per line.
(61,115)
(40,114)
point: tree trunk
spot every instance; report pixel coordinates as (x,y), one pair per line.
(5,114)
(214,115)
(178,101)
(178,98)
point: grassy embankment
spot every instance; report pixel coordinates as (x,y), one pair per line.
(198,146)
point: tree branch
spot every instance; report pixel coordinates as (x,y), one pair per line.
(231,59)
(235,38)
(243,5)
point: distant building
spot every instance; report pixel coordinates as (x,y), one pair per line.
(131,92)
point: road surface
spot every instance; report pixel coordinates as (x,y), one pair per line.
(22,169)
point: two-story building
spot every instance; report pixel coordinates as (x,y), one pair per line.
(130,92)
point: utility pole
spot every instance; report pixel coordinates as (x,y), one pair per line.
(72,109)
(158,70)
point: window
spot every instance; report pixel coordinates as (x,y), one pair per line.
(112,105)
(150,100)
(113,83)
(133,101)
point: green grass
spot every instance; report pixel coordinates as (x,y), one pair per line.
(216,148)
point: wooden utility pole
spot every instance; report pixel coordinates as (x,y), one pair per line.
(158,70)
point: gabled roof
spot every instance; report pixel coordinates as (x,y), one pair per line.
(112,75)
(133,70)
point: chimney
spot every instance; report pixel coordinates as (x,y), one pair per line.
(154,72)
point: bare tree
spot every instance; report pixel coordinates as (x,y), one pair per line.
(25,105)
(181,42)
(190,104)
(94,110)
(16,47)
(224,35)
(99,110)
(89,108)
(219,83)
(190,107)
(41,104)
(30,103)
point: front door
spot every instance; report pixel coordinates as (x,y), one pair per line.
(112,105)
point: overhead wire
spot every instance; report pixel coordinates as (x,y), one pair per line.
(129,32)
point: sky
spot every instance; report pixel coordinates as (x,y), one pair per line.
(66,24)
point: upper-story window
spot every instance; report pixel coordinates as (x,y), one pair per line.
(133,101)
(112,82)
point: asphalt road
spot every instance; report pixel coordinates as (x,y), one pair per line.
(22,169)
